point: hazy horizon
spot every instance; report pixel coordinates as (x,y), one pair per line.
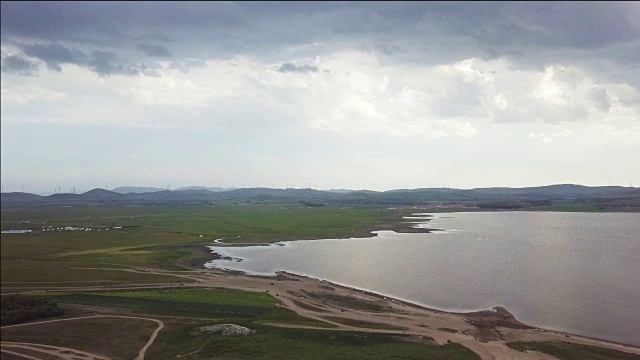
(374,96)
(63,190)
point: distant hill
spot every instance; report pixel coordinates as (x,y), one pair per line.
(136,189)
(212,189)
(561,191)
(19,197)
(198,194)
(141,189)
(101,194)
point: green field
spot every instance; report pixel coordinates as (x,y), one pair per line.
(253,223)
(256,311)
(279,343)
(208,296)
(176,340)
(212,303)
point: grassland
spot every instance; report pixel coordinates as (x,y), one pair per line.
(212,303)
(279,343)
(252,223)
(126,338)
(182,310)
(206,296)
(160,237)
(572,351)
(158,245)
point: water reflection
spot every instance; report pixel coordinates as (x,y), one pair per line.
(575,272)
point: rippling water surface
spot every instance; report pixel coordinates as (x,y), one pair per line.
(575,272)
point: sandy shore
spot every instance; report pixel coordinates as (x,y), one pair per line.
(485,332)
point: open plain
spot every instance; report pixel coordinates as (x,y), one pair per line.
(137,289)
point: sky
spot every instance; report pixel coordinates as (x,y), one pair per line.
(358,95)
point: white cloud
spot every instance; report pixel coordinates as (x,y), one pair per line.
(22,95)
(352,94)
(539,136)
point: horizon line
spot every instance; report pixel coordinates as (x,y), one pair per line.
(223,189)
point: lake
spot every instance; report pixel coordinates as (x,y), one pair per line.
(574,272)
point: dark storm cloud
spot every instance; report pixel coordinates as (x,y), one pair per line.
(289,67)
(99,21)
(546,23)
(530,34)
(18,64)
(54,55)
(155,50)
(575,24)
(106,63)
(186,65)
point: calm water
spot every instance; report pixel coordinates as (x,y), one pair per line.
(575,272)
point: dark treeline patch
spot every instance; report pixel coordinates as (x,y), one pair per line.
(19,309)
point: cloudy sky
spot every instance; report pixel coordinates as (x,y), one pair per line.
(336,95)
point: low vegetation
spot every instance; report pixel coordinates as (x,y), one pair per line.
(209,296)
(349,302)
(19,309)
(304,344)
(213,303)
(116,338)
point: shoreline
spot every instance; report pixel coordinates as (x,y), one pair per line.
(485,320)
(494,311)
(492,325)
(497,316)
